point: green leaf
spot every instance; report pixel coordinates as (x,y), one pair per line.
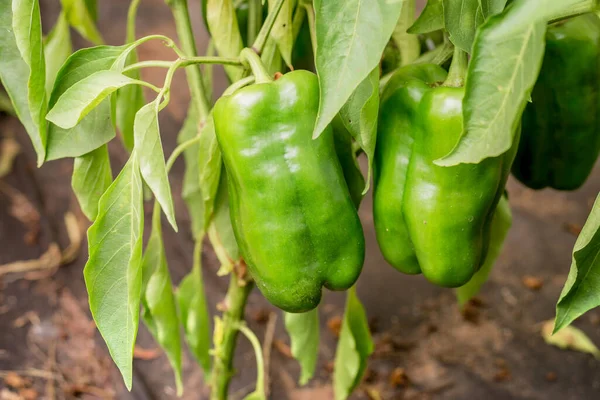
(81,16)
(501,223)
(225,32)
(354,347)
(569,338)
(460,22)
(194,312)
(191,191)
(57,48)
(77,101)
(437,56)
(491,7)
(506,59)
(303,329)
(431,18)
(580,293)
(220,231)
(282,31)
(462,17)
(351,36)
(96,128)
(210,169)
(359,115)
(113,274)
(148,148)
(159,305)
(22,67)
(91,177)
(408,44)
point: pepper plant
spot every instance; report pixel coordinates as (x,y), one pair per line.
(271,174)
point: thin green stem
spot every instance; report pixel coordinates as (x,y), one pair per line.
(251,59)
(185,33)
(458,69)
(149,85)
(259,44)
(225,338)
(131,14)
(260,363)
(238,85)
(180,149)
(149,64)
(254,19)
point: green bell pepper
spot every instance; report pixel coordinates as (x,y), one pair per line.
(292,214)
(561,126)
(431,219)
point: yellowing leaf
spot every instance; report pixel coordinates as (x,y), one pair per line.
(569,338)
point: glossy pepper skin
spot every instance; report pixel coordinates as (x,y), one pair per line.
(292,215)
(431,219)
(561,126)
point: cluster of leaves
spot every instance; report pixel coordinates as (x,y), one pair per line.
(72,104)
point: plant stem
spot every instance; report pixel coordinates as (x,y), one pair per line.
(185,33)
(254,19)
(259,44)
(180,149)
(260,362)
(252,60)
(131,14)
(458,69)
(238,85)
(222,370)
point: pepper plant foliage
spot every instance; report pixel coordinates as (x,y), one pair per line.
(72,104)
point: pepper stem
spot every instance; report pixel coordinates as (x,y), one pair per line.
(458,69)
(251,59)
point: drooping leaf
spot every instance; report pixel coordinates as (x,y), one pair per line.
(148,147)
(407,43)
(194,311)
(501,223)
(22,67)
(159,311)
(359,115)
(191,191)
(78,100)
(431,18)
(507,55)
(351,36)
(81,16)
(460,22)
(303,329)
(91,177)
(580,292)
(57,48)
(113,274)
(210,169)
(223,25)
(462,17)
(354,347)
(220,231)
(282,31)
(569,338)
(96,128)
